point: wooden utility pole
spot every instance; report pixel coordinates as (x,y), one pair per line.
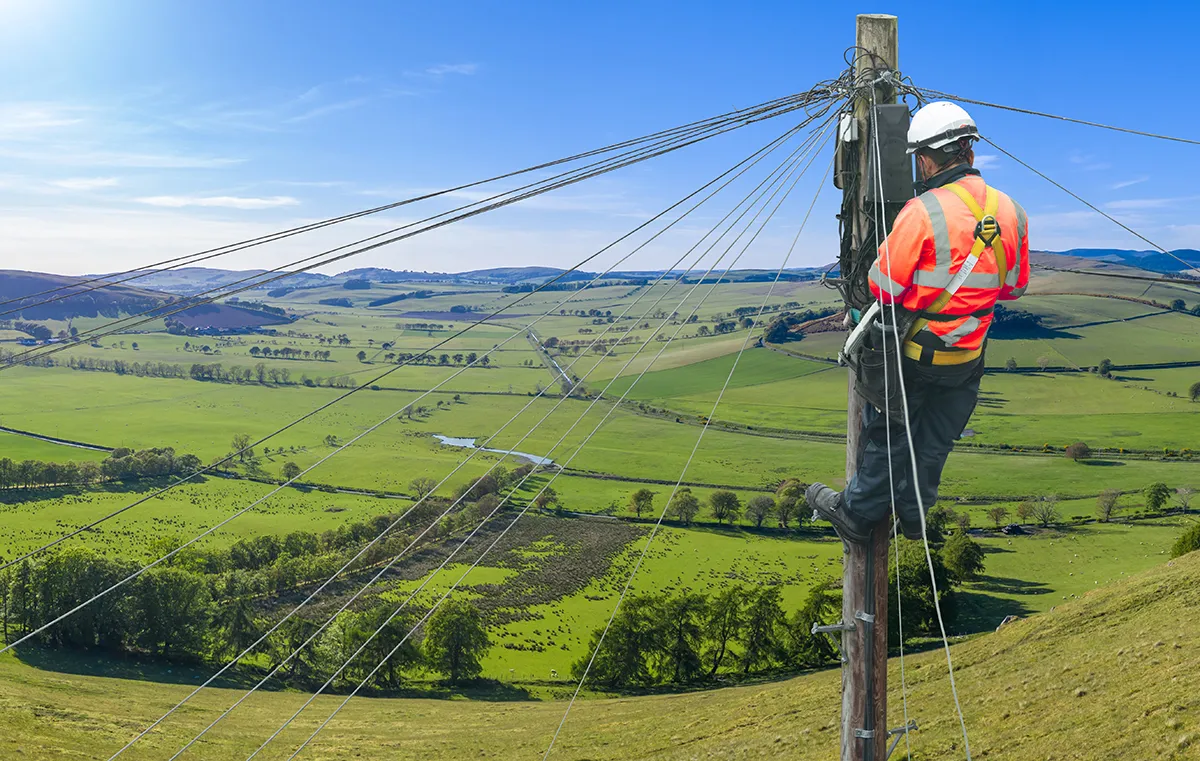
(865,577)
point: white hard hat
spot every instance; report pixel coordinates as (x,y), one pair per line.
(938,125)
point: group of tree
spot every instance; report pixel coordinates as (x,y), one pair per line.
(211,372)
(690,637)
(203,605)
(122,464)
(724,506)
(320,355)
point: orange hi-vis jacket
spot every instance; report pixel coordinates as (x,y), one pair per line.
(931,240)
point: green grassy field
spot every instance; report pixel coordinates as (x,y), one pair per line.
(1110,675)
(576,565)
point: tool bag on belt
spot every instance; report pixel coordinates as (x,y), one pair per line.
(875,350)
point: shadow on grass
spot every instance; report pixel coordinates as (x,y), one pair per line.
(1102,463)
(981,608)
(133,486)
(144,669)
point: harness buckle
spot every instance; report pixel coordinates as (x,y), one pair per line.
(987,230)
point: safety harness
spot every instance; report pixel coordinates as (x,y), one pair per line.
(926,347)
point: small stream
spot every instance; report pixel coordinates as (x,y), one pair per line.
(452,441)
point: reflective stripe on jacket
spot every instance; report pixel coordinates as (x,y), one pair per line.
(932,237)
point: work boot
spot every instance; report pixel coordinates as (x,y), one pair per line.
(912,532)
(828,504)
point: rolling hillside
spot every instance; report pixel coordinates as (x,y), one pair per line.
(1109,676)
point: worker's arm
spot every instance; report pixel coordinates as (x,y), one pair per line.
(1011,291)
(892,273)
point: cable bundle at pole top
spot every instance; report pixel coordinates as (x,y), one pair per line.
(820,106)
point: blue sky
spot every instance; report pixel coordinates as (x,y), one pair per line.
(135,130)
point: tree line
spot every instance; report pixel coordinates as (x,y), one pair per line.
(691,637)
(122,464)
(206,605)
(260,374)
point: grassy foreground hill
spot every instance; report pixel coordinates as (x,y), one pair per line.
(1110,676)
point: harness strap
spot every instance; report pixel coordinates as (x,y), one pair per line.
(987,235)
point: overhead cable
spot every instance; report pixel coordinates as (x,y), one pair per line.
(691,456)
(925,91)
(258,280)
(416,539)
(433,609)
(104,281)
(370,429)
(754,157)
(1093,207)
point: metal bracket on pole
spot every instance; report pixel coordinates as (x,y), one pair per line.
(866,618)
(837,628)
(898,734)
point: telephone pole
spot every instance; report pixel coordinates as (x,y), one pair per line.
(865,575)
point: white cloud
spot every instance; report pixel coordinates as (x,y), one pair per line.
(452,68)
(1138,204)
(329,108)
(86,183)
(986,160)
(1127,183)
(62,156)
(222,202)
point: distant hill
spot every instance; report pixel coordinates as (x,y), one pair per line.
(1154,261)
(186,281)
(117,301)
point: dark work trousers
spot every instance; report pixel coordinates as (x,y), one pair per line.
(940,402)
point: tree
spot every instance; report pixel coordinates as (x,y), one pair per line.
(1045,510)
(1106,504)
(998,514)
(723,625)
(422,486)
(725,506)
(241,445)
(762,632)
(963,557)
(1025,510)
(1043,362)
(1105,368)
(682,636)
(916,591)
(790,502)
(362,356)
(545,498)
(172,611)
(820,607)
(684,506)
(1010,364)
(641,501)
(455,640)
(1157,495)
(759,508)
(1078,451)
(236,626)
(1179,305)
(1188,542)
(291,471)
(622,657)
(389,630)
(1194,391)
(1184,495)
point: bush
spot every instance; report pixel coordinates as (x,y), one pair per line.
(1078,451)
(1189,542)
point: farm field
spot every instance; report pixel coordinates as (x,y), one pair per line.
(796,717)
(554,576)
